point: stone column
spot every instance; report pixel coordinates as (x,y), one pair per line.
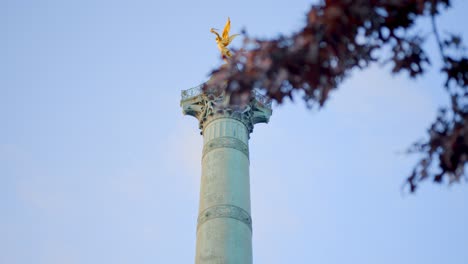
(224,229)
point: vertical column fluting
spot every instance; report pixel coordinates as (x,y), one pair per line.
(224,230)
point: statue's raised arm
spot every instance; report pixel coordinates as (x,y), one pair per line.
(224,40)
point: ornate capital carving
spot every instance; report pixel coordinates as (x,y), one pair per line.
(225,211)
(207,107)
(225,142)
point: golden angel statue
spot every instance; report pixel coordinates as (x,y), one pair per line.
(224,40)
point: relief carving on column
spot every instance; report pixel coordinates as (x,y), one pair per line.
(225,211)
(225,142)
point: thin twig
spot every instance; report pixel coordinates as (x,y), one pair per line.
(437,36)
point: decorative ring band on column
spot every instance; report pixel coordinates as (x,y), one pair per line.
(225,142)
(225,211)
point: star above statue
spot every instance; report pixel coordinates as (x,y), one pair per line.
(224,40)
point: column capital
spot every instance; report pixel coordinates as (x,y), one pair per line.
(206,107)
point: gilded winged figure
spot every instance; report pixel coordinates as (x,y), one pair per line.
(224,40)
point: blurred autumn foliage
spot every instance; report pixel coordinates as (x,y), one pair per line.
(343,35)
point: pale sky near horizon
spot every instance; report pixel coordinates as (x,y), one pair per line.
(98,164)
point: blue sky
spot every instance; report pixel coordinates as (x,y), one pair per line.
(98,164)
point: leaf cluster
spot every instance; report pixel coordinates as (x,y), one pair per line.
(340,36)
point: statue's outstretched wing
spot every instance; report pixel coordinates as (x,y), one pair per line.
(227,27)
(231,38)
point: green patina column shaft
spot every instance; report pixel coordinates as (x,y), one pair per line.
(224,229)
